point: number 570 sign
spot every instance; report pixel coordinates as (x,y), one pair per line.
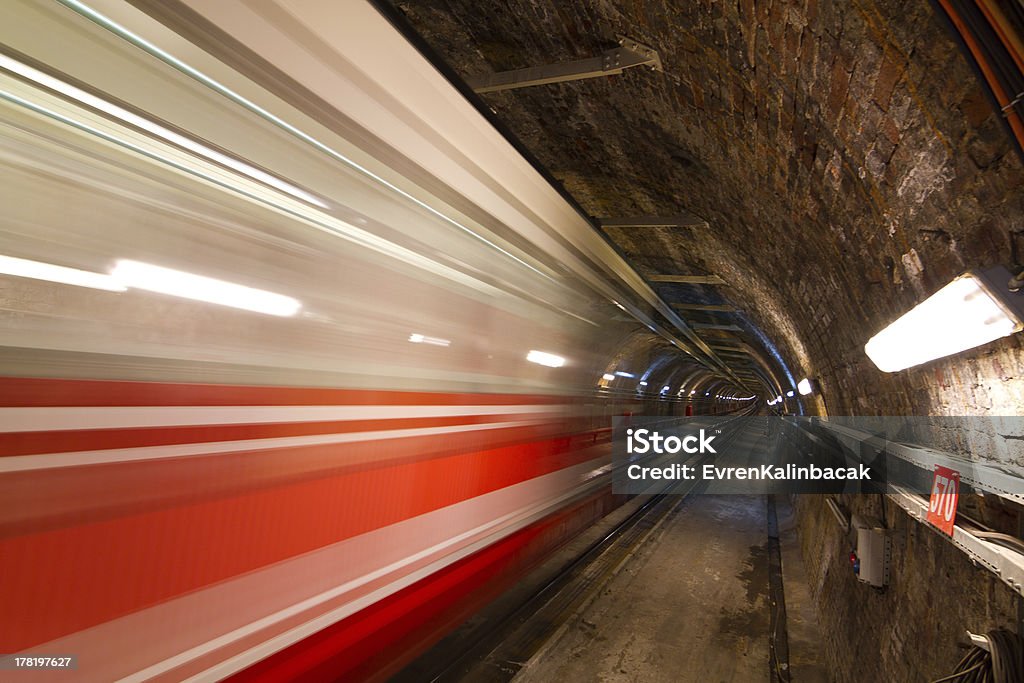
(945,492)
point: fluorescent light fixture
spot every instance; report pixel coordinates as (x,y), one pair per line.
(625,374)
(664,388)
(804,387)
(424,339)
(544,358)
(607,377)
(643,383)
(38,270)
(200,288)
(153,128)
(966,313)
(789,394)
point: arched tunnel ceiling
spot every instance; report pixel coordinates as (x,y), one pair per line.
(842,154)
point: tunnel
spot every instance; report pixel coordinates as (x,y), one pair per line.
(519,340)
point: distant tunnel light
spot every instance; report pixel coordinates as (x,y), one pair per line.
(620,373)
(960,316)
(608,377)
(804,387)
(789,394)
(38,270)
(201,288)
(544,358)
(416,338)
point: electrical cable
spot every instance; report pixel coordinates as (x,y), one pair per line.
(1003,539)
(1003,662)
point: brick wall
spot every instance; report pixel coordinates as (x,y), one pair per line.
(909,631)
(842,152)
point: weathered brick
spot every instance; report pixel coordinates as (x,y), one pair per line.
(888,74)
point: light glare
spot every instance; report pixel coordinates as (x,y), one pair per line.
(416,338)
(960,316)
(38,270)
(804,386)
(201,288)
(543,358)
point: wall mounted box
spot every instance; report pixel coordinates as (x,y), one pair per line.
(873,548)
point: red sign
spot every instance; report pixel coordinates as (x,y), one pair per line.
(945,493)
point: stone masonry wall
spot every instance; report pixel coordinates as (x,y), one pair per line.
(841,150)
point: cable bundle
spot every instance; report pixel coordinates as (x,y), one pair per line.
(1002,663)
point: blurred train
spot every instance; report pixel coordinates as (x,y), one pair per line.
(300,361)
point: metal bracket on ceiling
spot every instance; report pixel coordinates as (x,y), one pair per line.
(630,53)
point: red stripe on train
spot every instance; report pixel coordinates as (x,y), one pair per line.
(34,501)
(62,581)
(32,443)
(380,639)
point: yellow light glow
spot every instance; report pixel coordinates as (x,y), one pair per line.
(960,316)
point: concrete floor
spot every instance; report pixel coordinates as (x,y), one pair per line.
(692,605)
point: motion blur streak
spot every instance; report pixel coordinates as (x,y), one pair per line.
(203,78)
(192,491)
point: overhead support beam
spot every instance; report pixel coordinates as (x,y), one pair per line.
(682,220)
(721,308)
(610,62)
(710,326)
(688,279)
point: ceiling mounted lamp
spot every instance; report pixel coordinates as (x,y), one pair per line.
(805,386)
(974,309)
